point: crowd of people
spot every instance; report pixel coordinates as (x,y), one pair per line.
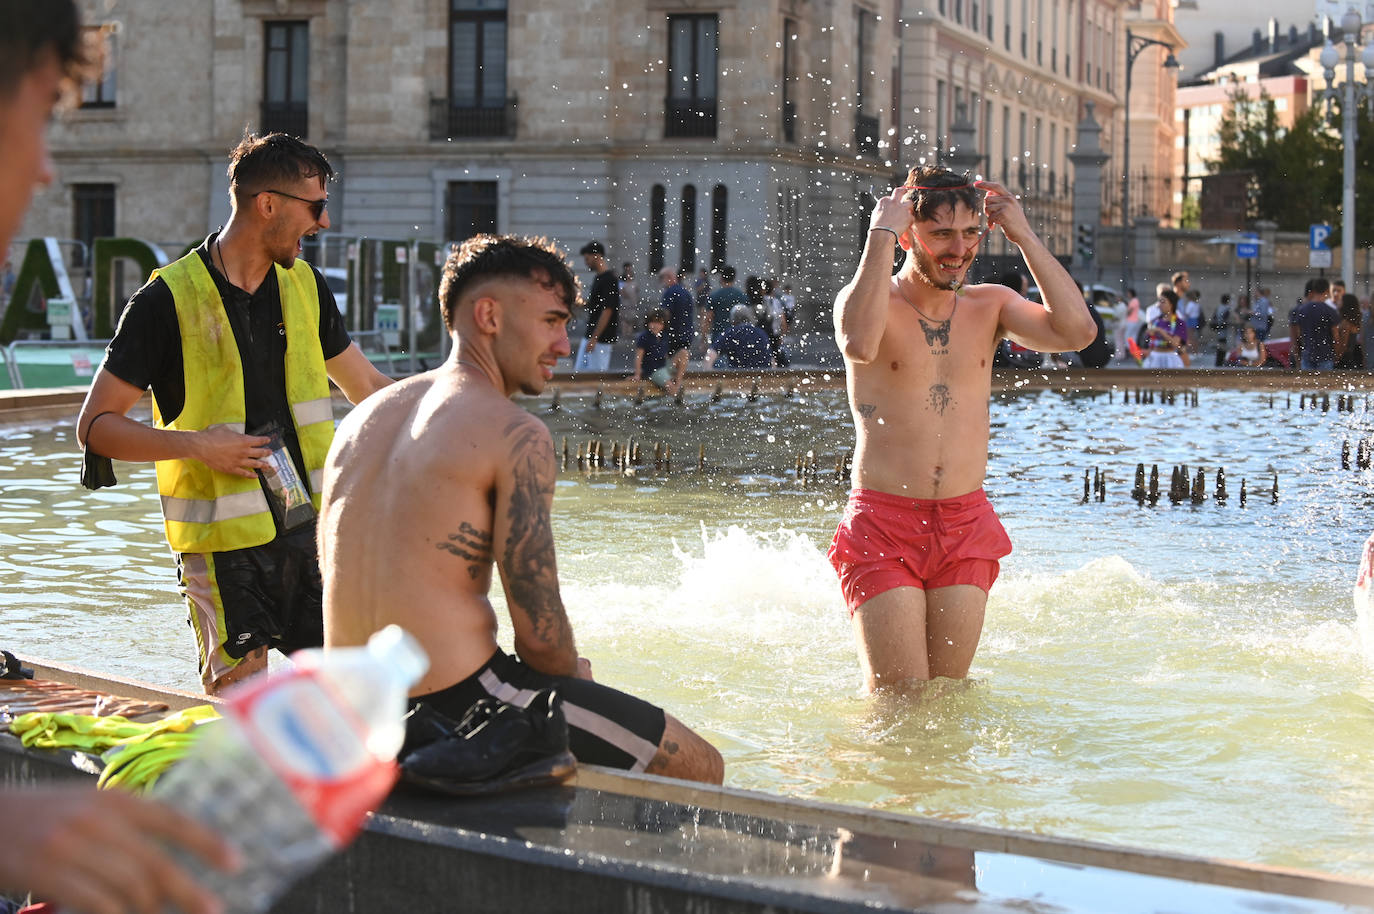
(719,324)
(1177,331)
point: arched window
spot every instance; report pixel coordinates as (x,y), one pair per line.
(688,246)
(657,204)
(719,201)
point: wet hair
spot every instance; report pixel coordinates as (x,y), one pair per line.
(1316,286)
(935,187)
(727,274)
(488,256)
(259,162)
(31,29)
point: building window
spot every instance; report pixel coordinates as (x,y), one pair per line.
(93,215)
(789,79)
(865,119)
(286,79)
(657,206)
(477,103)
(688,238)
(941,116)
(690,109)
(101,94)
(719,202)
(470,209)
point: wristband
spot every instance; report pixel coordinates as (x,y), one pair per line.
(883,228)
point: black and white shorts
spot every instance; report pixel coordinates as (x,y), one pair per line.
(605,726)
(264,596)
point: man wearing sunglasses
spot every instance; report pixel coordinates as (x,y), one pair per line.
(918,546)
(238,340)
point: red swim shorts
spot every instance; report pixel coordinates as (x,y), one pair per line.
(886,541)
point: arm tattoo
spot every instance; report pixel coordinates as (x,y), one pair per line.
(531,573)
(471,544)
(866,410)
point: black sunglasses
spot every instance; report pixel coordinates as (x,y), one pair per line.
(316,206)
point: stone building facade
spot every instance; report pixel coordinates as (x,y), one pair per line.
(677,132)
(687,133)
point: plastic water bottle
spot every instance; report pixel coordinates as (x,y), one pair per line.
(298,760)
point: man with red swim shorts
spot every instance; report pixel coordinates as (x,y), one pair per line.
(919,544)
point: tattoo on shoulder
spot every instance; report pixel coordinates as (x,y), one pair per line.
(866,410)
(941,398)
(471,544)
(528,557)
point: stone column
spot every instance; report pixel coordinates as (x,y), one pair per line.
(1088,158)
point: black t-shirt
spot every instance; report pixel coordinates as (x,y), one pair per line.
(146,349)
(1099,352)
(605,294)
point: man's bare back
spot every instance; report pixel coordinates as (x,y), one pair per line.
(414,475)
(430,486)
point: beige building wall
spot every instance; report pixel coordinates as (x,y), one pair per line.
(588,150)
(1021,71)
(1151,118)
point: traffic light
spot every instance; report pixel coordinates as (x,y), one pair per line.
(1086,241)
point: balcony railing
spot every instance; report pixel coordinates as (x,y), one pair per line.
(292,118)
(689,117)
(866,134)
(450,121)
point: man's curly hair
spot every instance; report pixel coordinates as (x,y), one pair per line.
(486,256)
(934,187)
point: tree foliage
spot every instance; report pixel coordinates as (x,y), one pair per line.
(1295,173)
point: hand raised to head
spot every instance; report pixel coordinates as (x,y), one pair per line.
(892,212)
(1003,210)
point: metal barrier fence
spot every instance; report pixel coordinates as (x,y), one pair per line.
(52,363)
(374,345)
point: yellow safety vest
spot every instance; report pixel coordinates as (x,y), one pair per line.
(207,511)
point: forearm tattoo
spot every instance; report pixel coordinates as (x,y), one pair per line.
(531,573)
(471,544)
(866,410)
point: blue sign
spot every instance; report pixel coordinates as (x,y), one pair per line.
(1316,237)
(1249,249)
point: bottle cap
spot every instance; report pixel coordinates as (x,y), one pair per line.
(397,650)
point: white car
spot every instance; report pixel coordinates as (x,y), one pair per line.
(337,280)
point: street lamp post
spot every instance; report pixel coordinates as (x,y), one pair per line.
(1134,45)
(1351,93)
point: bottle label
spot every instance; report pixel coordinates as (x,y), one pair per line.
(317,746)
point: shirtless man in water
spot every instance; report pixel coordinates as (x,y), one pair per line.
(434,479)
(919,544)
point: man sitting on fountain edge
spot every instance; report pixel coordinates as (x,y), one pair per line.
(918,546)
(441,475)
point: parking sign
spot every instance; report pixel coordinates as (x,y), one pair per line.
(1318,254)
